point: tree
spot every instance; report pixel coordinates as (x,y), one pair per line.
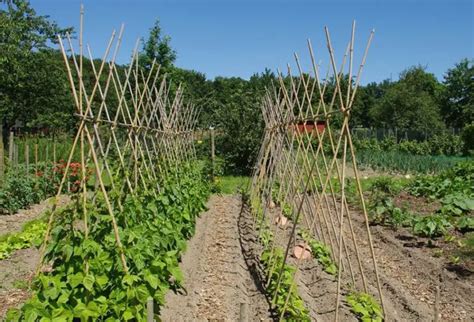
(411,103)
(458,97)
(23,38)
(157,47)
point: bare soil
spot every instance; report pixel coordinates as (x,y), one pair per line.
(216,277)
(17,271)
(420,205)
(409,277)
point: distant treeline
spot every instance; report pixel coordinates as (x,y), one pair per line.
(34,90)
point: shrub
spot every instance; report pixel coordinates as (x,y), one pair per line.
(467,137)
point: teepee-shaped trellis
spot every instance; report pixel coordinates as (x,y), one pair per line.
(134,128)
(303,168)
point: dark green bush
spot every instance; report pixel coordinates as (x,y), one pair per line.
(467,137)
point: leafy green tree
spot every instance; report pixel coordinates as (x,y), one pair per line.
(236,103)
(367,98)
(23,38)
(158,47)
(458,96)
(411,103)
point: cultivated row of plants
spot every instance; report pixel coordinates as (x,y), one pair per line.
(363,305)
(30,235)
(85,278)
(280,287)
(444,144)
(453,189)
(401,162)
(23,187)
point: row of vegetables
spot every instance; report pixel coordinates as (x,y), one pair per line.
(281,286)
(452,190)
(84,277)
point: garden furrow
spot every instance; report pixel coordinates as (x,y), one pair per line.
(216,278)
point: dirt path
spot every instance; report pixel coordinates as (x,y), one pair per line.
(216,276)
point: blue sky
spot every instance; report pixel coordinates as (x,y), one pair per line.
(239,38)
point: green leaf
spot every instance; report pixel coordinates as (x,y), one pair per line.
(89,282)
(76,279)
(127,315)
(102,280)
(151,279)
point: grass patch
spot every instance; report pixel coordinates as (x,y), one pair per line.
(233,184)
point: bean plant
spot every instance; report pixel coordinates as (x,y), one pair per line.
(86,280)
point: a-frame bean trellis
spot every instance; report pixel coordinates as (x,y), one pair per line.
(303,166)
(134,128)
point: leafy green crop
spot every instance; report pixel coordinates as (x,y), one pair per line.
(321,252)
(457,204)
(465,223)
(458,179)
(431,226)
(153,230)
(295,310)
(365,307)
(31,235)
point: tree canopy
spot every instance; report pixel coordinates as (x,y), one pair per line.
(34,89)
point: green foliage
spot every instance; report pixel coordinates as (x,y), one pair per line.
(365,307)
(438,144)
(458,95)
(457,204)
(386,185)
(295,309)
(465,224)
(321,252)
(458,179)
(467,137)
(22,189)
(157,48)
(381,207)
(395,161)
(233,107)
(31,235)
(412,102)
(153,231)
(212,173)
(33,80)
(431,226)
(233,184)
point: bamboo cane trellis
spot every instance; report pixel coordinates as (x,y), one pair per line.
(304,167)
(134,128)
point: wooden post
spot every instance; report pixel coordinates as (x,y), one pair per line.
(150,310)
(15,153)
(243,312)
(27,156)
(10,147)
(54,150)
(437,297)
(213,153)
(36,157)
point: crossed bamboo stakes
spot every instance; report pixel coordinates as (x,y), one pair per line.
(134,128)
(306,149)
